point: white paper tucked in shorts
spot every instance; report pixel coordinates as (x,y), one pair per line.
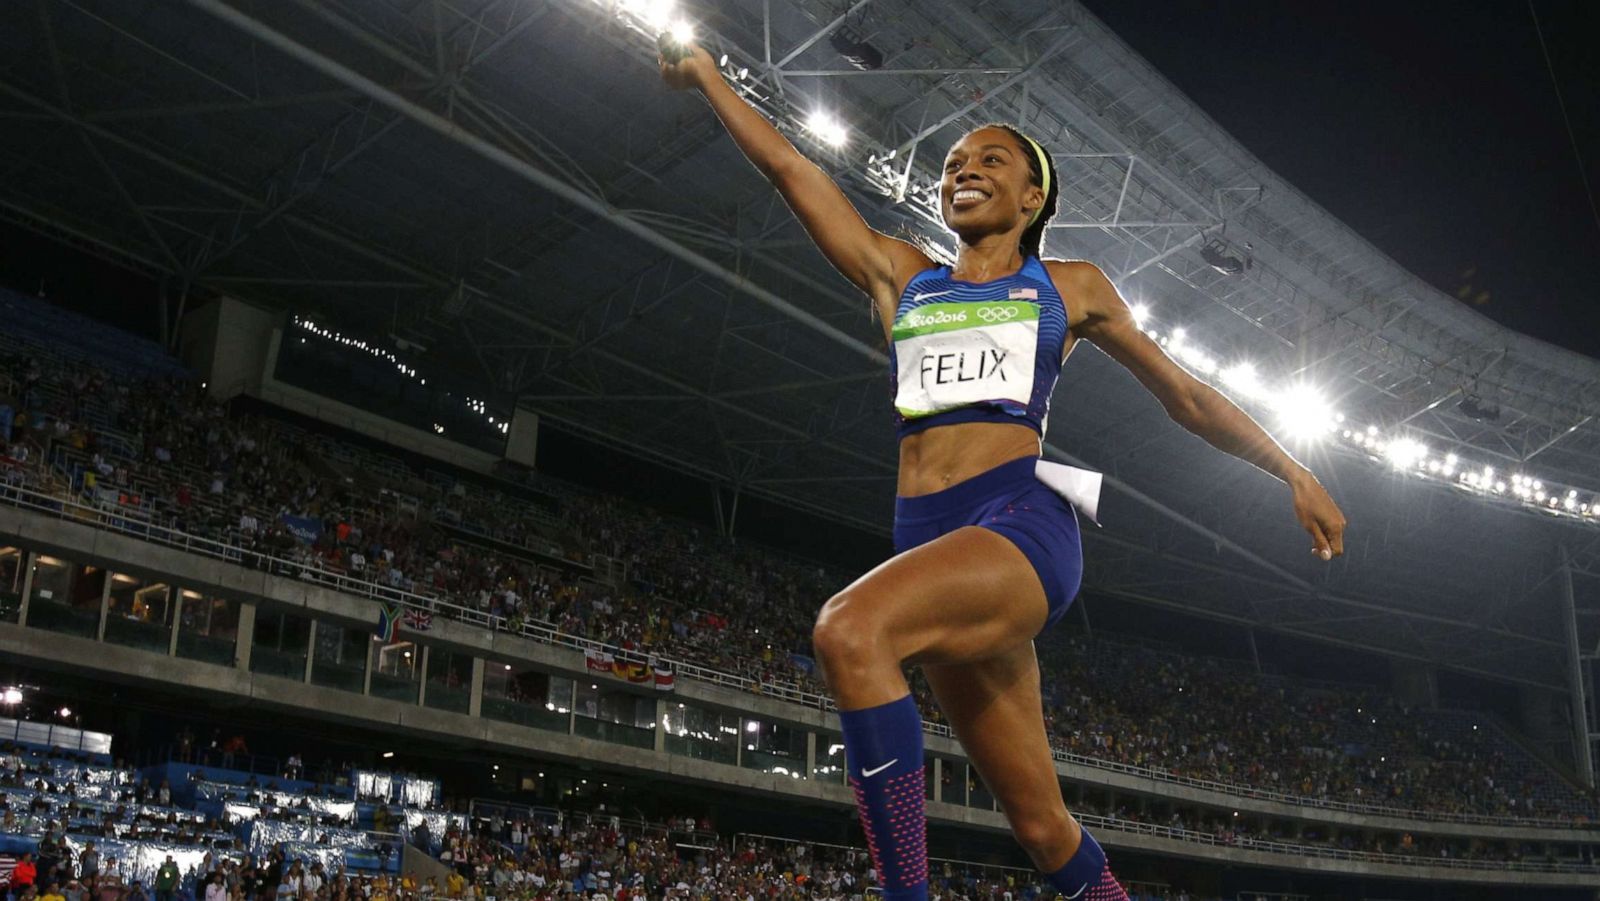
(1080,487)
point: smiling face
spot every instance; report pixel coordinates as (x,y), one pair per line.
(988,186)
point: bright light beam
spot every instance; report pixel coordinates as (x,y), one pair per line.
(827,128)
(1304,413)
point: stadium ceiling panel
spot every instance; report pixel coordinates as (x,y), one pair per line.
(507,182)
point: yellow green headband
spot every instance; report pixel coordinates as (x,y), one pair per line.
(1044,167)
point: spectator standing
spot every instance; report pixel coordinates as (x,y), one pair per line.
(49,859)
(89,865)
(167,880)
(24,874)
(232,747)
(311,883)
(109,886)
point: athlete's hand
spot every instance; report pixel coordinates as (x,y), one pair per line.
(1319,515)
(693,71)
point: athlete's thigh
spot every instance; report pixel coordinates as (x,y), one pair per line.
(995,708)
(966,595)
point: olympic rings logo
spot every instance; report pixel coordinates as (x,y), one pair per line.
(998,314)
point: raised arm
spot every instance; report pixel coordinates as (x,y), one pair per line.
(1193,404)
(874,262)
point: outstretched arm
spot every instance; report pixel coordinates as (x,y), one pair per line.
(874,262)
(1193,404)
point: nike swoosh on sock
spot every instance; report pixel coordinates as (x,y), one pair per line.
(867,774)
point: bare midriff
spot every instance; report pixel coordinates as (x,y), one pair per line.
(947,455)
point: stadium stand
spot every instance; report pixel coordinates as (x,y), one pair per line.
(112,423)
(83,822)
(84,819)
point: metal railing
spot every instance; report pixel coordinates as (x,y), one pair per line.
(1206,838)
(1324,852)
(1264,794)
(1023,875)
(115,519)
(54,736)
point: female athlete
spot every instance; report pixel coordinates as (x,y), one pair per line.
(986,555)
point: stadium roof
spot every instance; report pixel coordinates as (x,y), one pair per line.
(507,183)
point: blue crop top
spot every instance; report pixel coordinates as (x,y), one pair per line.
(976,351)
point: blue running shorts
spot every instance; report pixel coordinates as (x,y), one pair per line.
(1008,500)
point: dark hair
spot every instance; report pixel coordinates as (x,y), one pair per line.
(1032,240)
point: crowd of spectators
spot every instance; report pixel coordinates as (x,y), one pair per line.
(60,805)
(160,450)
(1232,830)
(1217,720)
(557,861)
(544,855)
(548,863)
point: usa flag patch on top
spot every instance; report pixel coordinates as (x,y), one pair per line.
(1024,294)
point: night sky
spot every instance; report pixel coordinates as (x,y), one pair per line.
(1431,129)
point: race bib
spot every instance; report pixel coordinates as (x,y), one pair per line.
(954,354)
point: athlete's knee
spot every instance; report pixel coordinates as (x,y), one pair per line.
(847,635)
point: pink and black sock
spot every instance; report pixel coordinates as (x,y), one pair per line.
(1087,876)
(883,751)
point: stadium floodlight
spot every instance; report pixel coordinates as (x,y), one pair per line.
(1196,358)
(1304,412)
(11,695)
(681,32)
(657,15)
(1242,378)
(1405,452)
(827,128)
